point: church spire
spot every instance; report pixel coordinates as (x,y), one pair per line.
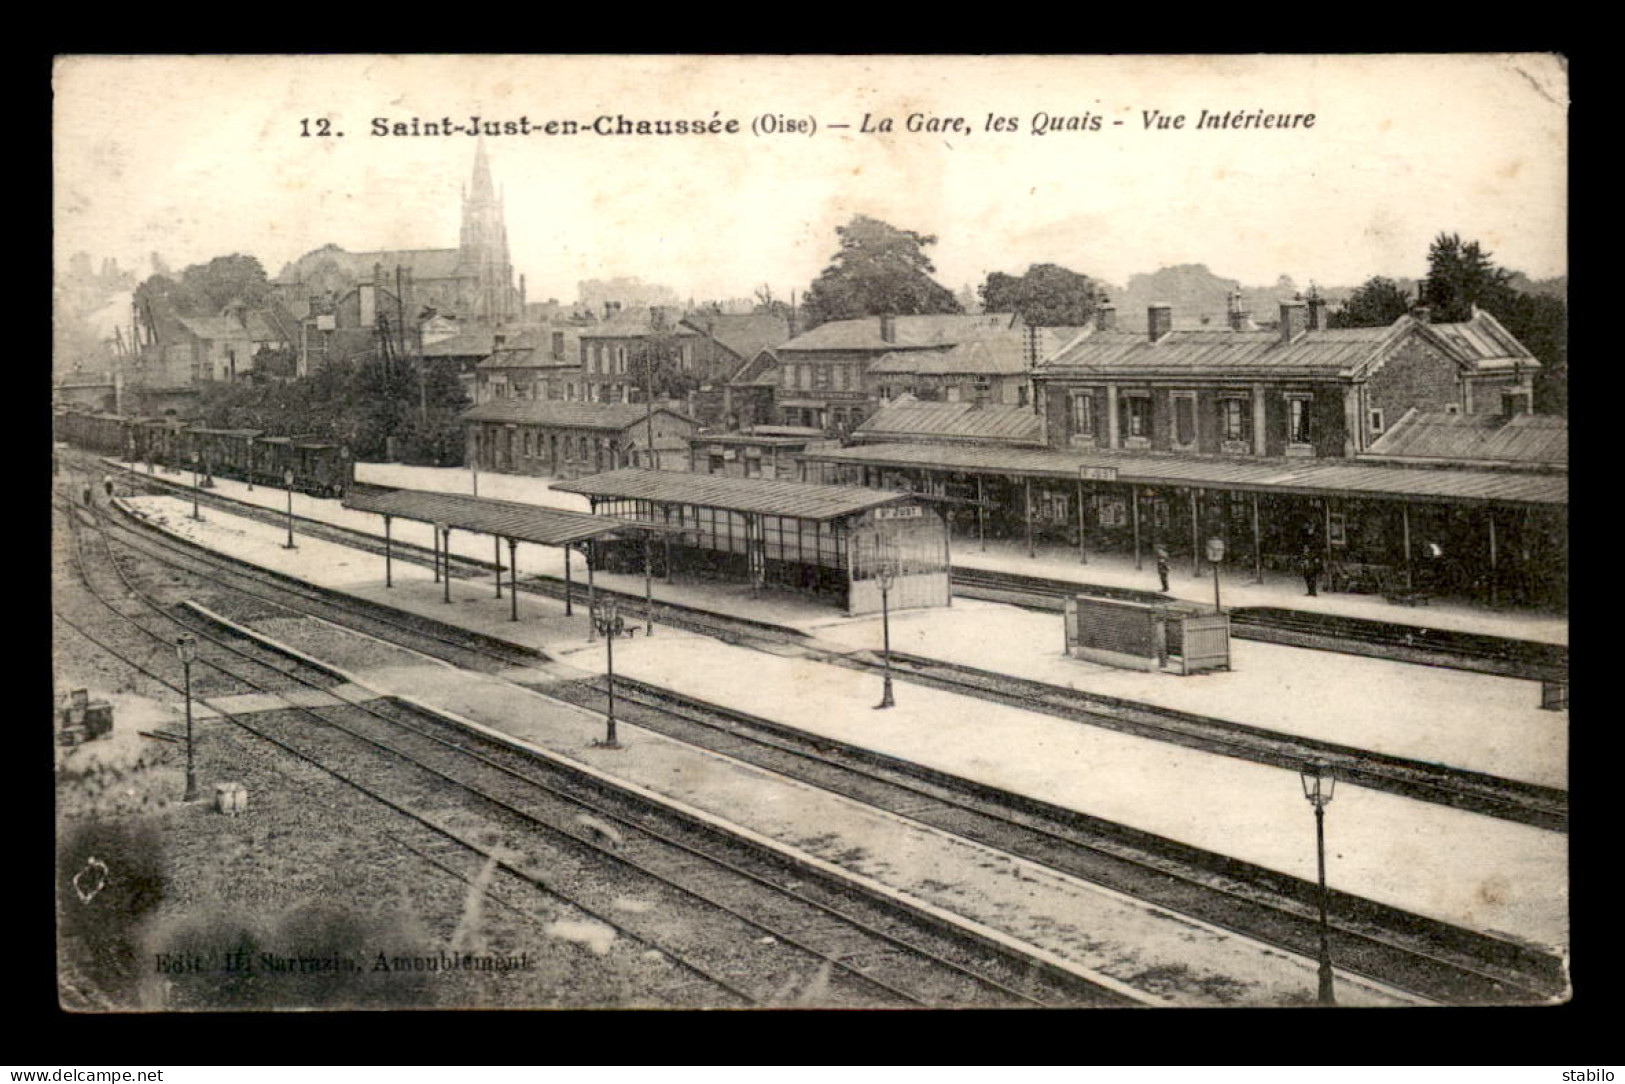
(482,188)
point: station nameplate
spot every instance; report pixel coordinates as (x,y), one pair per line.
(1097,474)
(912,511)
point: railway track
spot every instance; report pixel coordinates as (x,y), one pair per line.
(1526,803)
(1441,962)
(1479,653)
(1431,959)
(785,930)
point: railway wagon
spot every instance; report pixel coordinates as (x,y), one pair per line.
(225,451)
(320,468)
(104,433)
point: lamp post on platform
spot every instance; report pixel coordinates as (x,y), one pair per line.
(287,480)
(186,649)
(885,574)
(1215,555)
(249,473)
(195,513)
(1318,784)
(607,620)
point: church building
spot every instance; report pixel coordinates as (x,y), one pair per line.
(472,284)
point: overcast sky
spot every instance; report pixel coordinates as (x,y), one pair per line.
(198,157)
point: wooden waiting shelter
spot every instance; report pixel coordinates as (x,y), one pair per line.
(512,521)
(829,540)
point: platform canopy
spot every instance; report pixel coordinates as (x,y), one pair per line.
(759,496)
(1325,477)
(505,519)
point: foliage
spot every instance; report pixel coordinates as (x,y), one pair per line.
(1377,302)
(657,363)
(768,305)
(1460,275)
(361,404)
(1048,295)
(879,269)
(206,289)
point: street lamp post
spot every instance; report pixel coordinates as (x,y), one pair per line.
(1318,784)
(1215,555)
(195,513)
(607,620)
(250,471)
(186,648)
(884,575)
(287,480)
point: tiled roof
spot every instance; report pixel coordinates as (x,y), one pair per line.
(746,334)
(563,413)
(798,500)
(472,342)
(762,370)
(1001,354)
(1335,352)
(1527,439)
(1484,339)
(910,419)
(911,332)
(213,327)
(1345,478)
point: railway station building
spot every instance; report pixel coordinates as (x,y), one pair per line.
(1271,440)
(564,439)
(830,541)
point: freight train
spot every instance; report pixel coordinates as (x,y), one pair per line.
(319,468)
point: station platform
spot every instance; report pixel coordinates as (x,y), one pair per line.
(1471,870)
(1237,586)
(1478,722)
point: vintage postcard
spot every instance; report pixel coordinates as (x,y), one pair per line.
(810,532)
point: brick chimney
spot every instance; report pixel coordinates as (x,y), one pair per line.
(1294,320)
(1030,342)
(1319,317)
(1106,316)
(888,328)
(1159,320)
(1514,401)
(1239,317)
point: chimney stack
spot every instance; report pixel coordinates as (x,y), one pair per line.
(1294,320)
(497,342)
(888,328)
(1106,316)
(1030,334)
(1159,320)
(1239,317)
(1319,318)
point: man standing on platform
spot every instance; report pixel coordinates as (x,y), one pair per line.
(1162,566)
(1312,568)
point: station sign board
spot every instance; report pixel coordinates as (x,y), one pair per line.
(911,511)
(1215,550)
(1097,474)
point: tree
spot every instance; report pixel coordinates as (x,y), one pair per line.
(1460,275)
(1377,302)
(1046,296)
(768,305)
(879,269)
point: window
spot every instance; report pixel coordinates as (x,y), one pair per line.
(1021,395)
(558,346)
(1184,403)
(527,443)
(1376,420)
(1083,414)
(821,377)
(1452,408)
(1299,420)
(1137,417)
(1236,420)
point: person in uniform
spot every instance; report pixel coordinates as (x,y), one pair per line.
(1162,566)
